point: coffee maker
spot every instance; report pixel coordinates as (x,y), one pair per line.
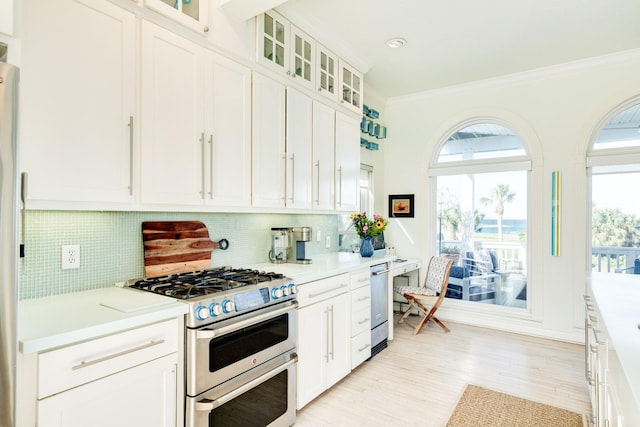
(280,250)
(298,237)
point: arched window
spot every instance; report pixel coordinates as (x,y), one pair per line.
(482,173)
(613,162)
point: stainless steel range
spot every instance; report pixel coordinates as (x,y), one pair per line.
(240,345)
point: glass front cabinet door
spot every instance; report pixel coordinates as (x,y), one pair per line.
(285,48)
(191,13)
(327,72)
(350,87)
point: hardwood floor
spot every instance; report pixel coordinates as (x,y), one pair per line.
(417,380)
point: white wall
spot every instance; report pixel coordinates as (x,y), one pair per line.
(555,111)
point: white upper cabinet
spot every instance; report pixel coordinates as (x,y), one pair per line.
(191,13)
(228,131)
(326,73)
(78,101)
(299,149)
(323,156)
(347,162)
(196,134)
(268,148)
(286,49)
(350,87)
(173,138)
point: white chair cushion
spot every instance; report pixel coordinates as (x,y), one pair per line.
(412,290)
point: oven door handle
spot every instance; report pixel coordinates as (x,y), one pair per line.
(208,405)
(202,334)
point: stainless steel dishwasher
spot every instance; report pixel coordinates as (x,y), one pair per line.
(379,310)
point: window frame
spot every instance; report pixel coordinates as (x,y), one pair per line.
(617,157)
(493,165)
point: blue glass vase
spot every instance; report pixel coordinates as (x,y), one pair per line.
(366,247)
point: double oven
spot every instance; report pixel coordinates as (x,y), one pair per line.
(240,346)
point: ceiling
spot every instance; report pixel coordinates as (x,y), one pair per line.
(452,42)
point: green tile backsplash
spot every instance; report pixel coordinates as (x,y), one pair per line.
(111,244)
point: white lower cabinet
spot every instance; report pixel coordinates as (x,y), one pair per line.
(141,396)
(126,379)
(360,317)
(324,341)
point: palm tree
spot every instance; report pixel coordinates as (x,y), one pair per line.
(499,195)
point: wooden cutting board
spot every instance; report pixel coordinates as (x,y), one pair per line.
(177,247)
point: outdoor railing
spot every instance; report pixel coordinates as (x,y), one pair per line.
(613,259)
(511,256)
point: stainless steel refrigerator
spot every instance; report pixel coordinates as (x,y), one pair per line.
(9,251)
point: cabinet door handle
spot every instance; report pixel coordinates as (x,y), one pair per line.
(202,148)
(130,155)
(326,353)
(317,165)
(340,186)
(85,364)
(332,337)
(210,142)
(293,177)
(283,185)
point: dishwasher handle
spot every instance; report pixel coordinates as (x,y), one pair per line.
(378,273)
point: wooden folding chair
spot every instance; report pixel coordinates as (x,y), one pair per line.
(430,294)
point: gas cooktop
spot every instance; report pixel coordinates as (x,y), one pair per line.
(204,282)
(220,293)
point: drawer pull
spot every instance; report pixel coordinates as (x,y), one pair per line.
(337,288)
(363,299)
(114,355)
(363,321)
(361,349)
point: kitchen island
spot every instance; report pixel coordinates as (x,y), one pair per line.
(613,344)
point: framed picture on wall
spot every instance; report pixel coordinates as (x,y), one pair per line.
(401,206)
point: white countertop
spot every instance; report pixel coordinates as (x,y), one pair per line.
(618,300)
(324,265)
(50,322)
(60,320)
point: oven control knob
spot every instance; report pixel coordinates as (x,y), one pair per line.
(202,312)
(227,306)
(285,290)
(215,309)
(292,288)
(276,293)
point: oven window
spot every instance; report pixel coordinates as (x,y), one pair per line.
(258,407)
(230,348)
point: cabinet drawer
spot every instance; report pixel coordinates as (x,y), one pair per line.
(360,348)
(361,321)
(360,279)
(312,292)
(361,298)
(78,364)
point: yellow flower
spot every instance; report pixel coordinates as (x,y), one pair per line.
(379,224)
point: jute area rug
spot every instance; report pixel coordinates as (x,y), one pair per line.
(481,407)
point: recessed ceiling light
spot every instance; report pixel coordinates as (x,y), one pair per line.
(396,42)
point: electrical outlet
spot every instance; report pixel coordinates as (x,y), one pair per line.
(70,256)
(327,243)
